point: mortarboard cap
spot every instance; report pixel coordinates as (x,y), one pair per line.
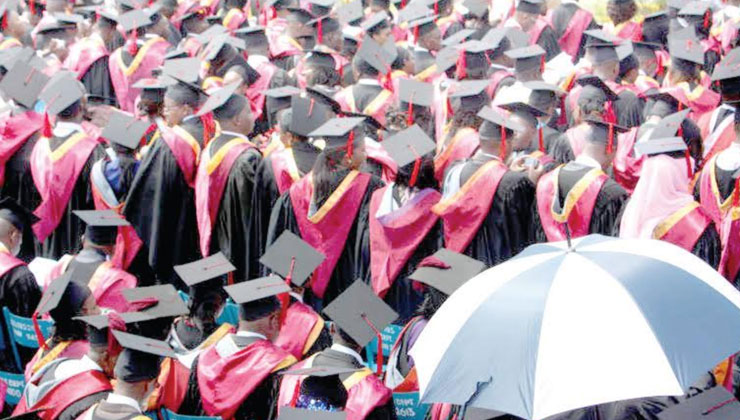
(460,268)
(713,404)
(320,371)
(279,98)
(603,52)
(217,99)
(253,290)
(134,19)
(471,94)
(53,294)
(151,84)
(321,7)
(23,83)
(379,57)
(204,269)
(500,118)
(415,92)
(252,35)
(669,125)
(539,86)
(446,58)
(475,413)
(493,38)
(369,123)
(729,67)
(69,18)
(300,14)
(165,302)
(695,8)
(55,26)
(307,115)
(218,43)
(477,8)
(350,12)
(326,24)
(324,96)
(15,214)
(408,145)
(375,21)
(624,50)
(182,69)
(290,413)
(686,48)
(527,58)
(359,313)
(289,252)
(600,132)
(321,59)
(595,81)
(640,46)
(126,130)
(61,93)
(530,6)
(599,36)
(423,25)
(522,108)
(101,218)
(413,11)
(458,37)
(141,357)
(659,146)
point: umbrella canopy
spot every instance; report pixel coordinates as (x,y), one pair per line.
(558,328)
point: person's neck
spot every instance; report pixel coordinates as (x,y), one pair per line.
(253,327)
(488,151)
(74,120)
(134,390)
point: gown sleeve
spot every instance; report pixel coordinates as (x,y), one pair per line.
(549,43)
(97,80)
(192,404)
(709,246)
(608,208)
(264,197)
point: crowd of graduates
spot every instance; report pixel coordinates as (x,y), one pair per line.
(321,169)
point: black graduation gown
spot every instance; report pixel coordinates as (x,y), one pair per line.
(561,16)
(230,233)
(423,59)
(20,293)
(19,186)
(331,387)
(607,210)
(709,246)
(549,42)
(161,207)
(266,194)
(67,237)
(364,94)
(97,79)
(402,296)
(261,404)
(628,109)
(354,261)
(557,145)
(507,228)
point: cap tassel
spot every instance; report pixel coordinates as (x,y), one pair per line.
(689,172)
(503,143)
(32,7)
(461,66)
(416,34)
(410,114)
(133,48)
(4,23)
(449,108)
(46,129)
(209,127)
(563,118)
(542,64)
(319,32)
(436,8)
(37,329)
(115,322)
(285,297)
(541,140)
(351,144)
(379,355)
(706,19)
(610,142)
(417,167)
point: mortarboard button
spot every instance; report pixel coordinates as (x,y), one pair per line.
(101,218)
(408,145)
(162,301)
(204,269)
(15,214)
(291,256)
(446,270)
(217,99)
(24,83)
(360,313)
(713,404)
(125,130)
(290,413)
(252,290)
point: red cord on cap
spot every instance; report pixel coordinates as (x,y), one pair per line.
(4,23)
(46,129)
(37,330)
(542,64)
(285,297)
(351,144)
(503,143)
(432,261)
(706,18)
(689,172)
(417,166)
(461,70)
(410,112)
(32,7)
(541,140)
(319,32)
(379,355)
(736,193)
(610,144)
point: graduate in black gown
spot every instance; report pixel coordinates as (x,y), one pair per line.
(561,18)
(160,204)
(229,230)
(503,217)
(97,77)
(530,13)
(551,193)
(339,159)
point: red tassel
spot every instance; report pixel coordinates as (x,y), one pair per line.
(410,112)
(115,322)
(416,34)
(351,144)
(542,64)
(285,297)
(379,356)
(37,329)
(436,8)
(680,106)
(706,19)
(450,112)
(386,81)
(562,119)
(403,4)
(132,47)
(4,23)
(32,7)
(503,143)
(144,303)
(461,65)
(310,107)
(46,129)
(319,32)
(610,143)
(541,140)
(209,127)
(688,164)
(434,262)
(417,167)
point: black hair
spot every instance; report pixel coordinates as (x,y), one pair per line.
(364,68)
(258,309)
(425,178)
(403,56)
(70,306)
(71,111)
(433,300)
(128,164)
(322,75)
(231,108)
(465,118)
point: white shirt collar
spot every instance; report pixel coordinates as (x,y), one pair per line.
(123,400)
(296,296)
(250,334)
(368,82)
(587,161)
(65,128)
(346,350)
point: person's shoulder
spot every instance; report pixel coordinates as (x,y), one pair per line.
(612,189)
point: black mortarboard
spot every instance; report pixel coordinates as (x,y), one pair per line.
(161,301)
(446,58)
(324,96)
(141,357)
(217,99)
(415,92)
(471,94)
(517,38)
(279,98)
(595,81)
(176,53)
(131,4)
(182,69)
(414,10)
(695,8)
(522,108)
(253,36)
(219,43)
(320,59)
(98,327)
(184,92)
(476,413)
(23,83)
(540,86)
(408,145)
(300,14)
(369,123)
(52,296)
(102,225)
(687,49)
(253,290)
(134,19)
(320,371)
(640,46)
(15,214)
(320,7)
(350,12)
(527,58)
(375,21)
(655,27)
(669,125)
(71,18)
(307,115)
(599,36)
(30,415)
(204,269)
(499,118)
(210,33)
(61,93)
(7,5)
(667,97)
(458,37)
(601,131)
(477,8)
(55,27)
(126,130)
(108,15)
(624,50)
(424,25)
(359,313)
(290,413)
(603,52)
(530,6)
(289,252)
(460,268)
(379,57)
(326,24)
(729,67)
(657,146)
(713,404)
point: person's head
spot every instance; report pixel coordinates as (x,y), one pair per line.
(298,19)
(320,69)
(287,136)
(492,138)
(136,374)
(104,349)
(424,177)
(13,220)
(605,62)
(629,69)
(151,103)
(466,102)
(180,100)
(56,38)
(591,103)
(328,33)
(433,300)
(683,71)
(380,32)
(106,28)
(522,140)
(193,23)
(621,10)
(497,55)
(255,41)
(647,60)
(235,115)
(428,35)
(206,302)
(338,336)
(404,61)
(74,112)
(527,12)
(167,7)
(261,316)
(528,63)
(77,300)
(363,69)
(100,238)
(597,144)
